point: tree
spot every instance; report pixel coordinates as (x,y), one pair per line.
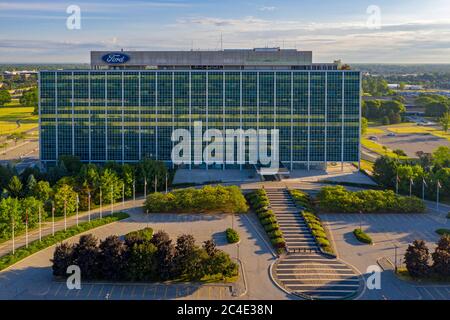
(142,263)
(445,121)
(112,258)
(31,184)
(436,109)
(86,256)
(62,259)
(109,181)
(416,259)
(399,152)
(65,196)
(15,187)
(29,98)
(72,163)
(441,257)
(165,254)
(210,247)
(5,97)
(371,109)
(441,156)
(31,206)
(364,125)
(9,211)
(385,171)
(42,191)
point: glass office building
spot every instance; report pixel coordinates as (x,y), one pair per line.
(125,113)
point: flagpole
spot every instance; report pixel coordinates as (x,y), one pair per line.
(123,195)
(13,240)
(145,187)
(410,187)
(89,206)
(112,199)
(40,224)
(156,182)
(78,200)
(26,228)
(134,191)
(53,219)
(396,184)
(100,203)
(437,196)
(65,215)
(166,182)
(423,189)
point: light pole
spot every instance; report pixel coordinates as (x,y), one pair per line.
(134,192)
(423,188)
(156,183)
(438,186)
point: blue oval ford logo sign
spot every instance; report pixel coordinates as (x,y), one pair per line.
(115,57)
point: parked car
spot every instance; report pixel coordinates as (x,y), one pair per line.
(391,134)
(373,138)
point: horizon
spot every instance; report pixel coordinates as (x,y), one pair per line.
(404,32)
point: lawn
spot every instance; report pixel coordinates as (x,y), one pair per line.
(366,165)
(9,116)
(372,130)
(378,148)
(409,129)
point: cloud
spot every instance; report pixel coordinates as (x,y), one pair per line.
(267,8)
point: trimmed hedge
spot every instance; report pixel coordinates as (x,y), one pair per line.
(47,241)
(362,236)
(232,235)
(209,199)
(260,204)
(337,199)
(442,232)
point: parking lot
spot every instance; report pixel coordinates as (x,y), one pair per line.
(388,231)
(98,291)
(411,143)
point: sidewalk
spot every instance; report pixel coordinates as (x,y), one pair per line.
(20,241)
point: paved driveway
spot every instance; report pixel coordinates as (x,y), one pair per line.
(387,231)
(31,278)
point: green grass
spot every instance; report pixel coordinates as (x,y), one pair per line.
(361,236)
(443,232)
(378,148)
(403,274)
(9,116)
(410,129)
(47,241)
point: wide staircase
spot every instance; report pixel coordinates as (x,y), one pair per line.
(305,271)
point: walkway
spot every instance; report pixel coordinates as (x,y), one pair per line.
(305,271)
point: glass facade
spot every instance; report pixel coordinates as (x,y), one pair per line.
(126,115)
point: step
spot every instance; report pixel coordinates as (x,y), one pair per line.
(312,265)
(327,294)
(315,271)
(349,282)
(331,287)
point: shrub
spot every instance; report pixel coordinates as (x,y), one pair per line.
(112,258)
(142,262)
(268,220)
(139,236)
(278,242)
(443,232)
(323,242)
(319,234)
(275,234)
(362,236)
(416,259)
(86,255)
(207,199)
(441,257)
(271,227)
(62,259)
(338,199)
(266,214)
(232,235)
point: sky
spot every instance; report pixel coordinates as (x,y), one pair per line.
(404,31)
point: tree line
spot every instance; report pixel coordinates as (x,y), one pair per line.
(70,184)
